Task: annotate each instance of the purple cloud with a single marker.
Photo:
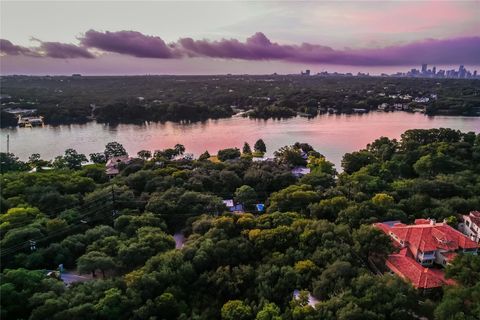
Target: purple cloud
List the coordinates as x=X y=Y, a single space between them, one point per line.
x=259 y=47
x=46 y=49
x=63 y=50
x=464 y=50
x=8 y=48
x=128 y=42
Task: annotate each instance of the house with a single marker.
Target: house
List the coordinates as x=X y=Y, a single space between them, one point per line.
x=470 y=226
x=423 y=247
x=112 y=165
x=300 y=171
x=232 y=207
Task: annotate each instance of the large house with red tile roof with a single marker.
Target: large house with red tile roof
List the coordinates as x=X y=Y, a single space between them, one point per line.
x=423 y=247
x=470 y=225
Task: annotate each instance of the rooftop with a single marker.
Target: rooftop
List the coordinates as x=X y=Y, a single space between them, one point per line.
x=406 y=267
x=424 y=236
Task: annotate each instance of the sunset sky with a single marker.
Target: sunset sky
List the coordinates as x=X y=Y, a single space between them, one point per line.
x=198 y=37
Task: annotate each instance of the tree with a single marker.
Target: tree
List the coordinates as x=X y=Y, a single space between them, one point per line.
x=246 y=149
x=94 y=260
x=383 y=148
x=260 y=146
x=236 y=310
x=459 y=302
x=35 y=161
x=293 y=198
x=246 y=195
x=179 y=148
x=370 y=242
x=114 y=149
x=270 y=311
x=18 y=216
x=465 y=269
x=144 y=154
x=98 y=157
x=329 y=208
x=321 y=165
x=290 y=155
x=113 y=305
x=354 y=161
x=228 y=154
x=73 y=159
x=383 y=200
x=334 y=278
x=204 y=156
x=8 y=162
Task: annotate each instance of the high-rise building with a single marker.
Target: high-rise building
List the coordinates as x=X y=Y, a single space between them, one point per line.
x=424 y=68
x=461 y=71
x=434 y=70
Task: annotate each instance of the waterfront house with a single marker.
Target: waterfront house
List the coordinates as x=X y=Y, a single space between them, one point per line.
x=112 y=165
x=470 y=226
x=424 y=247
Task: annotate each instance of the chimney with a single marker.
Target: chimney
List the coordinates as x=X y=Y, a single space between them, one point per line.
x=432 y=222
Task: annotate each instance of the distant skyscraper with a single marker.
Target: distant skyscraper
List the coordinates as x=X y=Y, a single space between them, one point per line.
x=424 y=68
x=461 y=71
x=434 y=70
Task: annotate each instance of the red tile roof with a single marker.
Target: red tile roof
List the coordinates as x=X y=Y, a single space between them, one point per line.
x=423 y=236
x=426 y=236
x=421 y=277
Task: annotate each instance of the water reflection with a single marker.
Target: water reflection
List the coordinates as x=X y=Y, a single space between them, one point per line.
x=332 y=135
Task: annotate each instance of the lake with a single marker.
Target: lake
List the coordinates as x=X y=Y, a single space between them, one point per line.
x=331 y=135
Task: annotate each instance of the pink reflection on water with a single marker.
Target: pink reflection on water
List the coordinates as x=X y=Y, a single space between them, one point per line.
x=332 y=135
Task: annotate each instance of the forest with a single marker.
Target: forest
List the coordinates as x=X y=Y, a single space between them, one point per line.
x=133 y=99
x=315 y=234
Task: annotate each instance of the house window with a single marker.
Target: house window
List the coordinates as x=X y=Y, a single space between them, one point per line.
x=467 y=223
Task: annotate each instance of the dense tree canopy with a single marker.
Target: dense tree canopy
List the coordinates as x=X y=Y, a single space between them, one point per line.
x=315 y=238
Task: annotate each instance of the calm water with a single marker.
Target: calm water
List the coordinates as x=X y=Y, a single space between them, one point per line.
x=332 y=135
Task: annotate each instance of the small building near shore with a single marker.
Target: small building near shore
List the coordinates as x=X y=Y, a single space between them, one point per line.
x=112 y=165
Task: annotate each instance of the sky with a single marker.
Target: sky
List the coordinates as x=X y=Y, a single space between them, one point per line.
x=216 y=37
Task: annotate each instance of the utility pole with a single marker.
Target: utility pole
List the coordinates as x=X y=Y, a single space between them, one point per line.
x=8 y=143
